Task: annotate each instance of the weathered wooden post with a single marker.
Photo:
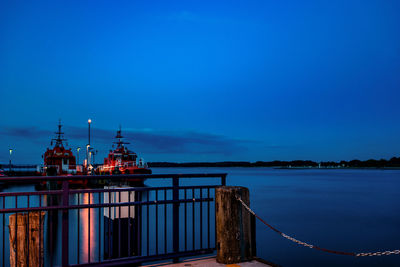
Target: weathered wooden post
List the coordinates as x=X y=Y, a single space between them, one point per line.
x=26 y=239
x=36 y=245
x=235 y=226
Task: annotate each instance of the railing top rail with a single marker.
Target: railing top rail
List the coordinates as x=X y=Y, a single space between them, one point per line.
x=107 y=190
x=112 y=177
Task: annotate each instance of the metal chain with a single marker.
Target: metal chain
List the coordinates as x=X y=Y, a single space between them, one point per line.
x=385 y=253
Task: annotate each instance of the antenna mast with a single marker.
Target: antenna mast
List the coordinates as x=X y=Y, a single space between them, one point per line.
x=59 y=134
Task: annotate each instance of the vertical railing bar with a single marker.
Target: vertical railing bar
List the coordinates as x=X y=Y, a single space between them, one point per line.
x=79 y=214
x=129 y=224
x=109 y=225
x=223 y=179
x=201 y=218
x=65 y=224
x=138 y=219
x=99 y=234
x=4 y=229
x=148 y=224
x=175 y=213
x=16 y=232
x=215 y=222
x=40 y=232
x=156 y=222
x=89 y=228
x=165 y=222
x=208 y=218
x=185 y=192
x=119 y=225
x=193 y=220
x=28 y=234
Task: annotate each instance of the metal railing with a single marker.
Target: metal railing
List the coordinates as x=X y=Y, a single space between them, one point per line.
x=110 y=223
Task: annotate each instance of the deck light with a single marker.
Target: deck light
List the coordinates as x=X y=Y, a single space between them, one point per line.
x=77 y=150
x=10 y=150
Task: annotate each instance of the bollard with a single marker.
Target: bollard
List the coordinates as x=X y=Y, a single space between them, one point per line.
x=235 y=226
x=26 y=239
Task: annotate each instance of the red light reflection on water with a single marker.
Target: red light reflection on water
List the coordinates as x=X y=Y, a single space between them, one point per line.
x=88 y=229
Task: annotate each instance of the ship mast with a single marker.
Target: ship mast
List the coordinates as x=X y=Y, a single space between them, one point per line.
x=59 y=138
x=119 y=136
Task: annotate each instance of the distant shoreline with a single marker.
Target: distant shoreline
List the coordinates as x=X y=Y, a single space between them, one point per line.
x=393 y=163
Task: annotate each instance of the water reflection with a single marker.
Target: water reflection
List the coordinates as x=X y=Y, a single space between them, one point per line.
x=84 y=230
x=148 y=232
x=88 y=222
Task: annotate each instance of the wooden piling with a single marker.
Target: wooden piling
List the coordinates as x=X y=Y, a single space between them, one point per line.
x=235 y=226
x=25 y=236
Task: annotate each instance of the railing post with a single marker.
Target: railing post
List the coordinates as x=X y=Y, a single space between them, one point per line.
x=64 y=227
x=175 y=220
x=138 y=222
x=223 y=180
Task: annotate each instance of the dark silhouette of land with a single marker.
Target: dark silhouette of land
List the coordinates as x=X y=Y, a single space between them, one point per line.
x=371 y=163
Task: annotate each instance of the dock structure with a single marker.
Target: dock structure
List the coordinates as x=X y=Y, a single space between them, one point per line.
x=176 y=220
x=108 y=223
x=212 y=262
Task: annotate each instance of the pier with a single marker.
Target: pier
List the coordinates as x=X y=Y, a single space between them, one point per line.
x=109 y=223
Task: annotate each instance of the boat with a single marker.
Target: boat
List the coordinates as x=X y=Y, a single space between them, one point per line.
x=121 y=160
x=60 y=161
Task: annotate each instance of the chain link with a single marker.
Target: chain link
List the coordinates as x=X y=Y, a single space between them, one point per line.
x=384 y=253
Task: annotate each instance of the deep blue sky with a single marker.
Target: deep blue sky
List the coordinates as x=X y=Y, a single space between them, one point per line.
x=203 y=80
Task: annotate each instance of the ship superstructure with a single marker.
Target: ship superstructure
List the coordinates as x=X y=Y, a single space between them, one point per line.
x=59 y=160
x=121 y=160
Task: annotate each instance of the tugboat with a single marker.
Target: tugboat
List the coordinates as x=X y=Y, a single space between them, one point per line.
x=121 y=160
x=58 y=160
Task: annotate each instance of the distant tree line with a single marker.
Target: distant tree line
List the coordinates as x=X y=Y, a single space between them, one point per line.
x=371 y=163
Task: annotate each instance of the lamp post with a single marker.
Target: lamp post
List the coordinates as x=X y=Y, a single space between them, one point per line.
x=77 y=150
x=89 y=122
x=88 y=147
x=10 y=150
x=90 y=159
x=87 y=155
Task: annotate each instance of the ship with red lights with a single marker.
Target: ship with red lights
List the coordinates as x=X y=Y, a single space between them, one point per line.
x=121 y=160
x=59 y=160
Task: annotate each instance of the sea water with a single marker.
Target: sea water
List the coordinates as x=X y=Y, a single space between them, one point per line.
x=340 y=209
x=352 y=210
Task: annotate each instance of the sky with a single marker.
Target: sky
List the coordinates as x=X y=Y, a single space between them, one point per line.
x=202 y=80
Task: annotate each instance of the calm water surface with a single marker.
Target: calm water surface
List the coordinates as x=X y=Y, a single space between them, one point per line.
x=349 y=210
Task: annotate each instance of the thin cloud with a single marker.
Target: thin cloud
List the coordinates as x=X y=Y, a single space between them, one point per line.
x=33 y=134
x=151 y=141
x=146 y=141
